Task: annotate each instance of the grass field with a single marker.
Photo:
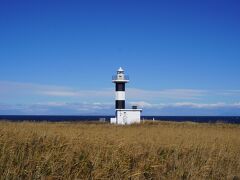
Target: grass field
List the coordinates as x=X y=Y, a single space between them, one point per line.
x=160 y=150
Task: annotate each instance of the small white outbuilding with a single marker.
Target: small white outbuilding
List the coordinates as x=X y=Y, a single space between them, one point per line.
x=127 y=116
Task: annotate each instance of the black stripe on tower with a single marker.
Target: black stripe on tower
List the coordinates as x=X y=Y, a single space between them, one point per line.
x=120 y=104
x=120 y=86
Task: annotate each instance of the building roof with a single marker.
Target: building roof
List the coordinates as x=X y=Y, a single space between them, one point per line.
x=129 y=110
x=120 y=69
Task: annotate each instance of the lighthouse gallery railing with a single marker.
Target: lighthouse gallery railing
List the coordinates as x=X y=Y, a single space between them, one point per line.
x=115 y=77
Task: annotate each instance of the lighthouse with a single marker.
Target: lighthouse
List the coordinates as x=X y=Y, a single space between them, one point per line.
x=122 y=115
x=120 y=80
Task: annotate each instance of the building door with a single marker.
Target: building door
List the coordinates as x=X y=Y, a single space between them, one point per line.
x=125 y=118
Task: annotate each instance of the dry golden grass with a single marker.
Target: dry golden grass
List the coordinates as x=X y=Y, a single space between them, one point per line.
x=160 y=150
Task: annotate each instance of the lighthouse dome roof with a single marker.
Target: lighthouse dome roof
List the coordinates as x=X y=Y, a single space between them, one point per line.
x=120 y=69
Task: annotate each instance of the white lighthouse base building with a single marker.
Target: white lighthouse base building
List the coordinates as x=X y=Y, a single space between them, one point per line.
x=127 y=116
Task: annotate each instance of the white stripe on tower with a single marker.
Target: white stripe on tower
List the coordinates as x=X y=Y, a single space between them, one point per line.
x=120 y=95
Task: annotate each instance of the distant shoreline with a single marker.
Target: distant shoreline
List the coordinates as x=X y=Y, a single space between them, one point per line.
x=76 y=118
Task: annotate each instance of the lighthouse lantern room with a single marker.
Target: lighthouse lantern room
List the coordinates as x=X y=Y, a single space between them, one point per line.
x=123 y=115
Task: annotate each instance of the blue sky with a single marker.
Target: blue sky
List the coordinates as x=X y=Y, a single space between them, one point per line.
x=57 y=57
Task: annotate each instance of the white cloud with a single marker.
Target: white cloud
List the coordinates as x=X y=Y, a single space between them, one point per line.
x=167 y=93
x=179 y=98
x=141 y=104
x=57 y=108
x=131 y=93
x=201 y=105
x=148 y=105
x=97 y=108
x=15 y=88
x=59 y=93
x=226 y=93
x=78 y=93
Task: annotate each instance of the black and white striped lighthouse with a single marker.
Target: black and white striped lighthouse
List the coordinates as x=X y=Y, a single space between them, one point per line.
x=120 y=80
x=123 y=116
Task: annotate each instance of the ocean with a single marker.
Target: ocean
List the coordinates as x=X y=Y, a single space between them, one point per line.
x=55 y=118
